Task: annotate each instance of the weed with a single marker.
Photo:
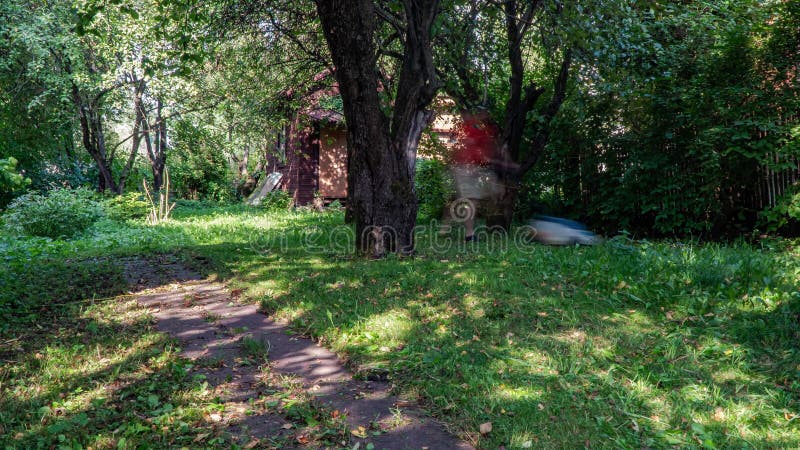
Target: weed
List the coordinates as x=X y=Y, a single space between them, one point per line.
x=254 y=348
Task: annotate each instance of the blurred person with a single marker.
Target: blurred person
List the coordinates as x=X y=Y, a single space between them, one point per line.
x=470 y=166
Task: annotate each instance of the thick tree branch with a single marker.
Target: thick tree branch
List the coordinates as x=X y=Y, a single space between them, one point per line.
x=542 y=137
x=390 y=18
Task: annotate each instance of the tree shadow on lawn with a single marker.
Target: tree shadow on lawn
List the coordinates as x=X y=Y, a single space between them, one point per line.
x=93 y=371
x=556 y=346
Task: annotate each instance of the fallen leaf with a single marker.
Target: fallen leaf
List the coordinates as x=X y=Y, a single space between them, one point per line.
x=360 y=432
x=302 y=439
x=486 y=428
x=252 y=444
x=287 y=426
x=201 y=437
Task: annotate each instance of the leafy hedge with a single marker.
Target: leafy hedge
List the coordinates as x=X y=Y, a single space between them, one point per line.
x=434 y=188
x=126 y=207
x=11 y=182
x=60 y=214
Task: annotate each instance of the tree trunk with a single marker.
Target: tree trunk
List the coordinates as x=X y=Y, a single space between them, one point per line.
x=155 y=138
x=93 y=139
x=382 y=152
x=136 y=137
x=511 y=163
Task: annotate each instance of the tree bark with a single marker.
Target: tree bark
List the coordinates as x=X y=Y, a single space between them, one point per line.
x=155 y=139
x=138 y=108
x=382 y=151
x=93 y=139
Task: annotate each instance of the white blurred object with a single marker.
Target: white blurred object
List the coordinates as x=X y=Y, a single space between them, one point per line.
x=558 y=231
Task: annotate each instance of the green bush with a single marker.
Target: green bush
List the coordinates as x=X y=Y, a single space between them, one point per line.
x=126 y=207
x=198 y=166
x=11 y=182
x=434 y=188
x=786 y=210
x=276 y=201
x=62 y=213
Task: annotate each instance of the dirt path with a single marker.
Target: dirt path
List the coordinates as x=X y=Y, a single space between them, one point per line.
x=223 y=337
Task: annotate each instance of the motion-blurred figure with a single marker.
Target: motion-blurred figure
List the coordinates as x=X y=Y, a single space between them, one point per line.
x=558 y=231
x=470 y=166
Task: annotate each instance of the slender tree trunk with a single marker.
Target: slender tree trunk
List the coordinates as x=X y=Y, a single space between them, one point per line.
x=93 y=139
x=155 y=139
x=138 y=108
x=381 y=151
x=161 y=154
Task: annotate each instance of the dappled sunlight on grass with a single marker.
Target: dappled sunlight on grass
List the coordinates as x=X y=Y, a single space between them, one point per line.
x=622 y=345
x=103 y=364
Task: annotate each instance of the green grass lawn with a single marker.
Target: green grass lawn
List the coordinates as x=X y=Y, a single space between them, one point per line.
x=622 y=345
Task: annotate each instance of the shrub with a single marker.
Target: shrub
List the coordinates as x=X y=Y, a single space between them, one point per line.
x=434 y=188
x=785 y=211
x=62 y=213
x=11 y=182
x=199 y=168
x=126 y=207
x=336 y=205
x=276 y=201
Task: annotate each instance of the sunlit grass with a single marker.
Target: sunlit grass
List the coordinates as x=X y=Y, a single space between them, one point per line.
x=623 y=345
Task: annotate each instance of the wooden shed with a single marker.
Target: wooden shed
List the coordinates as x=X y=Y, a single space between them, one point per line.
x=313 y=156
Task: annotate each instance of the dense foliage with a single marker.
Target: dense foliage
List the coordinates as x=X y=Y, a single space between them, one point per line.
x=198 y=168
x=11 y=182
x=61 y=213
x=126 y=207
x=434 y=188
x=692 y=130
x=676 y=118
x=276 y=201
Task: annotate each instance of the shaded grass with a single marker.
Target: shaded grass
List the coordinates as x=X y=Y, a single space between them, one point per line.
x=95 y=374
x=80 y=368
x=628 y=344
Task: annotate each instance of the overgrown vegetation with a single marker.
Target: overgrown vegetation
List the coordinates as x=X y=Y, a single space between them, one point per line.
x=126 y=207
x=276 y=201
x=627 y=344
x=61 y=213
x=691 y=131
x=11 y=182
x=434 y=188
